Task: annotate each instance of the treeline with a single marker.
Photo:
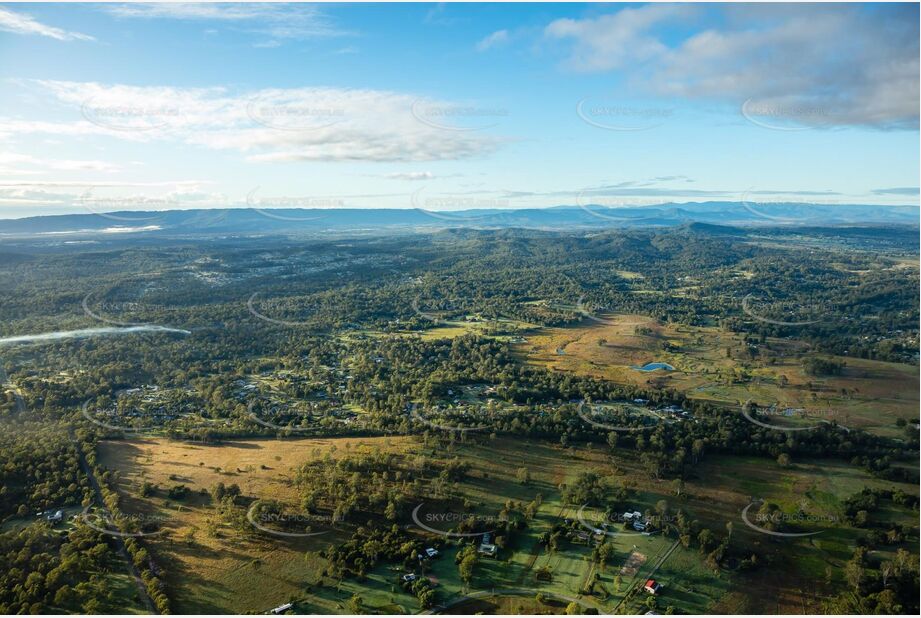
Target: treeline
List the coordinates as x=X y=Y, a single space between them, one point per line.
x=51 y=567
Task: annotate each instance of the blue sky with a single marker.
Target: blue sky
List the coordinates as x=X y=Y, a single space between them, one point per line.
x=447 y=106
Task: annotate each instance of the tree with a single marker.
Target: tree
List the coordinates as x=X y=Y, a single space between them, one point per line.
x=355 y=604
x=678 y=486
x=705 y=540
x=466 y=560
x=524 y=476
x=466 y=568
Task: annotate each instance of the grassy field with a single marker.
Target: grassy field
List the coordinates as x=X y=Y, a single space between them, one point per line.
x=725 y=485
x=219 y=570
x=211 y=568
x=502 y=328
x=714 y=364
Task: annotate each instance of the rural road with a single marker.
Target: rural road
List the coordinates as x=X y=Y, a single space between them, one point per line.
x=119 y=542
x=649 y=575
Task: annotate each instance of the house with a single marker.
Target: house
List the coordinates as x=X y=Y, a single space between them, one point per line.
x=488 y=549
x=486 y=546
x=282 y=608
x=652 y=586
x=431 y=552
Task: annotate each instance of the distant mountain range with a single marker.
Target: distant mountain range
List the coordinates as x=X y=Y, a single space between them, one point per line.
x=295 y=220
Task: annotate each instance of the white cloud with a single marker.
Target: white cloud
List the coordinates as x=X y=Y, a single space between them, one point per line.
x=826 y=65
x=271 y=125
x=913 y=191
x=496 y=38
x=280 y=21
x=95 y=196
x=410 y=176
x=8 y=159
x=612 y=41
x=20 y=23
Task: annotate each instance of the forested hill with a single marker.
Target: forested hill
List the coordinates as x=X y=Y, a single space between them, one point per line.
x=293 y=220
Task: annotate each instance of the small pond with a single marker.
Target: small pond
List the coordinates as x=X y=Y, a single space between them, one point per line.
x=655 y=367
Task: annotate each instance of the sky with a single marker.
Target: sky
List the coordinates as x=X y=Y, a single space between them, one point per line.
x=115 y=106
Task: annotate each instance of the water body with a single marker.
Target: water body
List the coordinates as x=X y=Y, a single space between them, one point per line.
x=84 y=333
x=655 y=367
